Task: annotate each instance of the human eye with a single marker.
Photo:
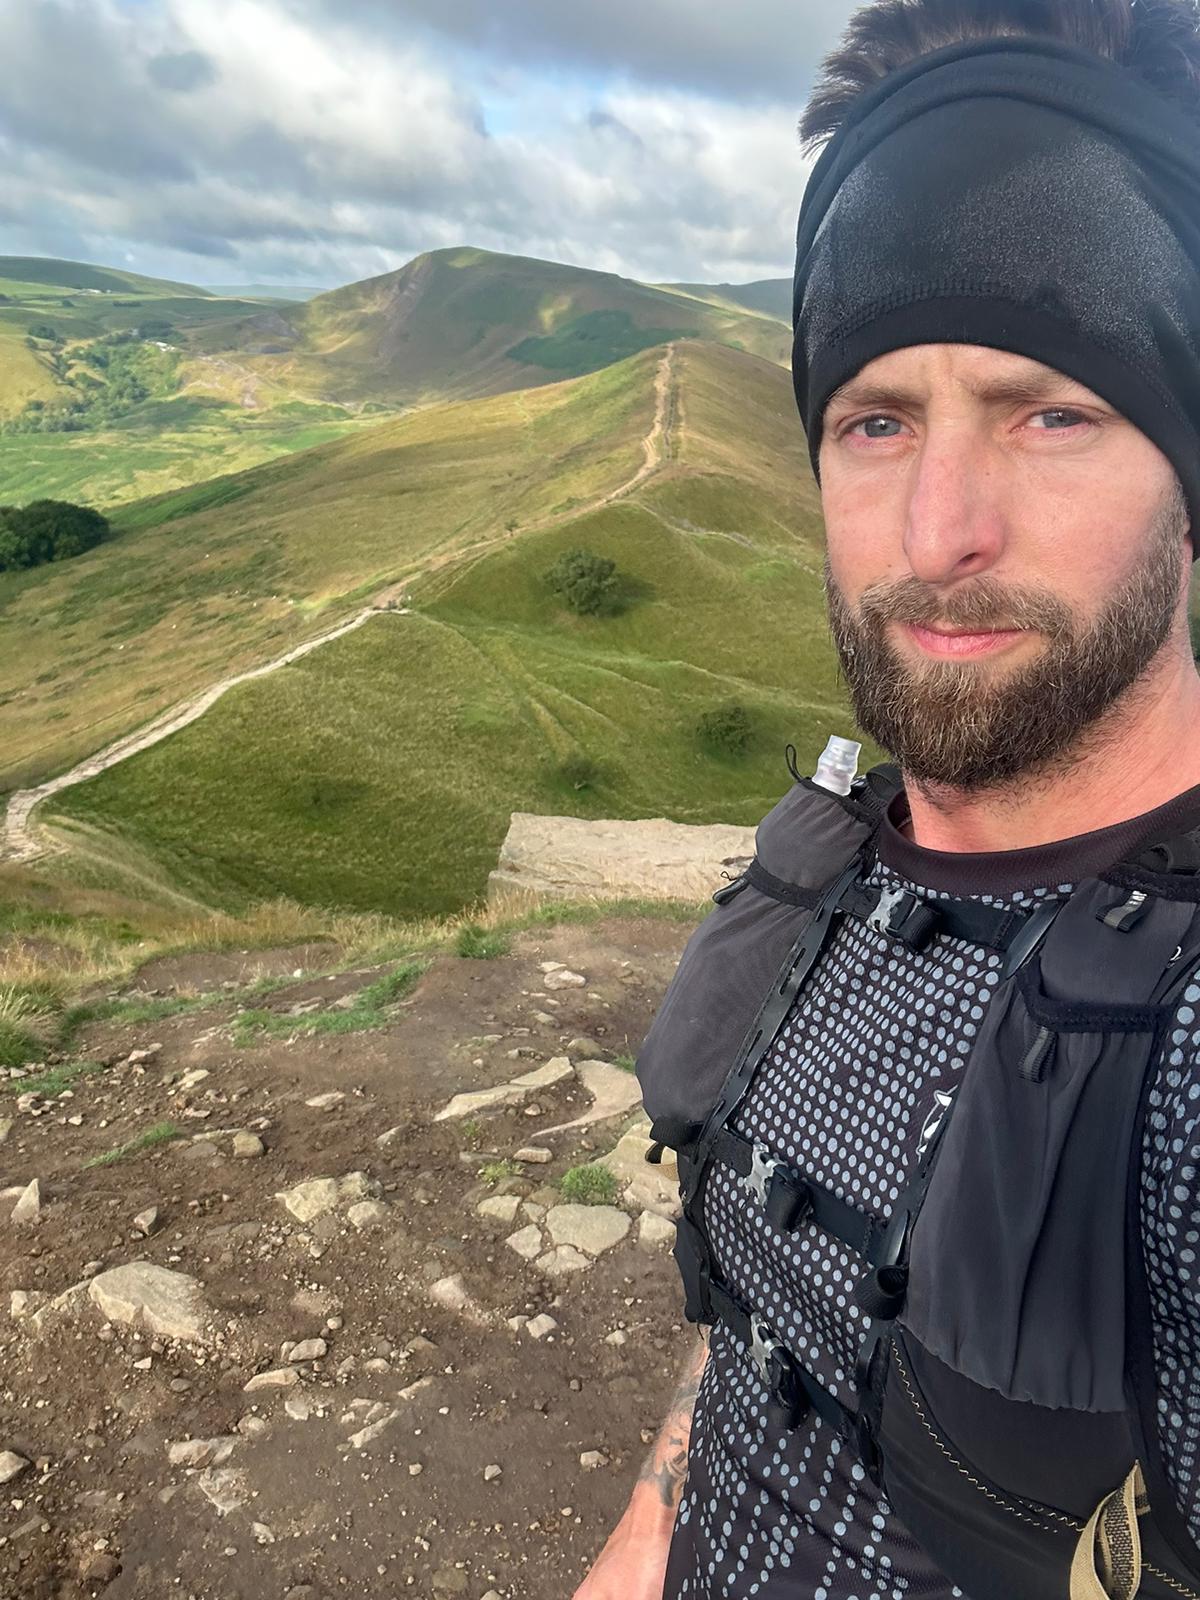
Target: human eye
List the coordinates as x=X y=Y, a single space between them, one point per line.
x=871 y=426
x=1061 y=418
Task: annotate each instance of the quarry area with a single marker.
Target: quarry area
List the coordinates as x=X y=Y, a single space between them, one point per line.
x=290 y=1311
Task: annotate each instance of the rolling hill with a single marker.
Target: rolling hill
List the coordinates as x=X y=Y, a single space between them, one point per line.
x=113 y=387
x=379 y=772
x=461 y=323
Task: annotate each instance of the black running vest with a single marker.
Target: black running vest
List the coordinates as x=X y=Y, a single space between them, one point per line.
x=1006 y=1387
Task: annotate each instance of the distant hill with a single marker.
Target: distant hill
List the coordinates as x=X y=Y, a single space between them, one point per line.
x=379 y=772
x=267 y=291
x=770 y=297
x=459 y=323
x=49 y=271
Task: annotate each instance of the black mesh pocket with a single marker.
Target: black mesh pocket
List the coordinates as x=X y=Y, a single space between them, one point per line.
x=726 y=970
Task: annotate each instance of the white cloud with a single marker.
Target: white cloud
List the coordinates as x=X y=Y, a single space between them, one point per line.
x=262 y=138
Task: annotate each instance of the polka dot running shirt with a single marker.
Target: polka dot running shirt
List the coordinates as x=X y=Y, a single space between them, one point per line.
x=843 y=1094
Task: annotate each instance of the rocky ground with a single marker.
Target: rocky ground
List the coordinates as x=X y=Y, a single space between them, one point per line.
x=322 y=1320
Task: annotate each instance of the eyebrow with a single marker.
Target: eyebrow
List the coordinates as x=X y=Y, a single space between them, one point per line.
x=869 y=395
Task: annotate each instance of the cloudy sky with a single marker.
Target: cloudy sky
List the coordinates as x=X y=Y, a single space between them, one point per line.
x=319 y=141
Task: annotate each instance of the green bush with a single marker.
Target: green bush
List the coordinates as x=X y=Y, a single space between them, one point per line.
x=592 y=1185
x=43 y=330
x=47 y=530
x=586 y=582
x=581 y=772
x=726 y=730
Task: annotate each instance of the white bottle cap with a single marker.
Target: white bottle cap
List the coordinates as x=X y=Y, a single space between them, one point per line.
x=838 y=765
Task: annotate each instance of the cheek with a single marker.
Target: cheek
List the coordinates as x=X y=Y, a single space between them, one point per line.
x=864 y=528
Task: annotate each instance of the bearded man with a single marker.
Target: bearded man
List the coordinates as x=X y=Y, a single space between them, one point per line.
x=997 y=364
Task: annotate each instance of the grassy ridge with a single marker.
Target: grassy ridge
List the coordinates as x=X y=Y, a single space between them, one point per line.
x=379 y=773
x=221 y=576
x=457 y=323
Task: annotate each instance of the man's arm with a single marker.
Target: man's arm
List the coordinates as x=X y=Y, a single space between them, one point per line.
x=633 y=1564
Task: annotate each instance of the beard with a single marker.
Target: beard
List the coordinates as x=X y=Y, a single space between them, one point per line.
x=954 y=724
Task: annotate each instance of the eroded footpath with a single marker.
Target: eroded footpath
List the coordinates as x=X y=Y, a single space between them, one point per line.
x=288 y=1311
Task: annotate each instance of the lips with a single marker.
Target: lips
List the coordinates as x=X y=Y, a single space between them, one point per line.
x=957 y=643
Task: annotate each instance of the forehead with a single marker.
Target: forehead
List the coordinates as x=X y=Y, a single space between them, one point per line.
x=921 y=372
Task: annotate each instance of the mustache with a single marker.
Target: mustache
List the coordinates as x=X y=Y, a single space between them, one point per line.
x=984 y=605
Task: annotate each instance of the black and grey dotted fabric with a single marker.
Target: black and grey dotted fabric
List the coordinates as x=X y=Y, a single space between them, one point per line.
x=844 y=1094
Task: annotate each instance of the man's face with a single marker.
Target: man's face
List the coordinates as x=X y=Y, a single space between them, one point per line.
x=1007 y=558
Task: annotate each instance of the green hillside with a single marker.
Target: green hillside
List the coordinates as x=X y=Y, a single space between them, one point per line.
x=101 y=398
x=460 y=323
x=769 y=297
x=114 y=386
x=380 y=771
x=219 y=577
x=53 y=273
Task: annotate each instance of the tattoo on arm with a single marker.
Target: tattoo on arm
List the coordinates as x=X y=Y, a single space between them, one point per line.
x=666 y=1465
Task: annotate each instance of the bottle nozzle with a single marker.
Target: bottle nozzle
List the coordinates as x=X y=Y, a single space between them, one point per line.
x=838 y=766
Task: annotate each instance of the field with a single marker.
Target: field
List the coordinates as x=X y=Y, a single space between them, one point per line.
x=379 y=772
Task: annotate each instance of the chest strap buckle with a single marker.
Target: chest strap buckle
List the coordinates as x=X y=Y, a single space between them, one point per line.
x=905 y=916
x=789 y=1399
x=786 y=1200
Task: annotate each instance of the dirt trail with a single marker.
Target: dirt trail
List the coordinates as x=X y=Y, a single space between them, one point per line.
x=20 y=840
x=473 y=1398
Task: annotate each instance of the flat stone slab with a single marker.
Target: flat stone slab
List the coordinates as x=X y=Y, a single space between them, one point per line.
x=141 y=1295
x=316 y=1197
x=643 y=1184
x=614 y=1093
x=563 y=1260
x=592 y=1229
x=502 y=1207
x=464 y=1105
x=545 y=1077
x=527 y=1242
x=654 y=1231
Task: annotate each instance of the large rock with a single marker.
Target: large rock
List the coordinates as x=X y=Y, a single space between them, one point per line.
x=574 y=858
x=141 y=1295
x=592 y=1229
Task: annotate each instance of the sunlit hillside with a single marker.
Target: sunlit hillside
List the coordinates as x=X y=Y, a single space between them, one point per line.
x=379 y=772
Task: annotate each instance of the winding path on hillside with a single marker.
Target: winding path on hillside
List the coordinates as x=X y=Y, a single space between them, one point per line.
x=22 y=840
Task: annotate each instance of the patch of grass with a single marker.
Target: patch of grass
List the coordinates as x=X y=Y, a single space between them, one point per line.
x=160 y=1133
x=590 y=1185
x=29 y=1024
x=495 y=1172
x=482 y=944
x=371 y=1009
x=471 y=1129
x=54 y=1080
x=625 y=1061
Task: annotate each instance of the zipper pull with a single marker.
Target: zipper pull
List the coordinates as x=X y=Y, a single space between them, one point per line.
x=734 y=887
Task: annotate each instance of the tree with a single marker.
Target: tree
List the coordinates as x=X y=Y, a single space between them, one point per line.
x=43 y=330
x=587 y=582
x=47 y=530
x=727 y=729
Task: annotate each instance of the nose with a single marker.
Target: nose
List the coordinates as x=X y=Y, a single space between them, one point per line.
x=956 y=523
